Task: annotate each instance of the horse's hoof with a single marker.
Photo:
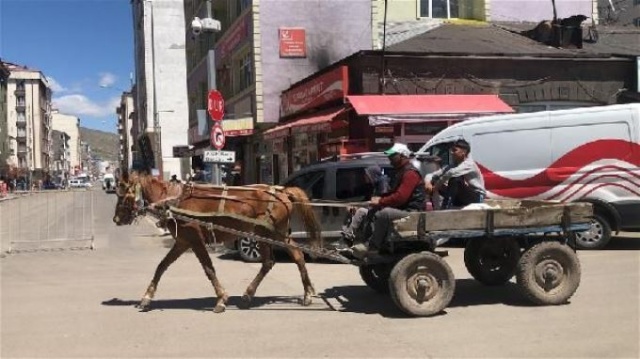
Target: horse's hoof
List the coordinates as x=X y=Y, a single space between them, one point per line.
x=219 y=308
x=144 y=305
x=306 y=301
x=245 y=302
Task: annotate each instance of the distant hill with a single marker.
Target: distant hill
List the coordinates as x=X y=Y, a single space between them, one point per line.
x=104 y=145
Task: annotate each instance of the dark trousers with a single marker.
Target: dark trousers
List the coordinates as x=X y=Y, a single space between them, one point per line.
x=458 y=194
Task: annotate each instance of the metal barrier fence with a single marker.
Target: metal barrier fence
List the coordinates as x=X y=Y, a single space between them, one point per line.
x=47 y=221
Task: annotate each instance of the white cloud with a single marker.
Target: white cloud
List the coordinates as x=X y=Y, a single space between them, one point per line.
x=107 y=79
x=80 y=105
x=55 y=86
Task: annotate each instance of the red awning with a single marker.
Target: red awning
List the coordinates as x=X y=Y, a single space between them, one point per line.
x=317 y=122
x=418 y=108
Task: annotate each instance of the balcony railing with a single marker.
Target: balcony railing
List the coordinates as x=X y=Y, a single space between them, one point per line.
x=21 y=107
x=19 y=92
x=22 y=149
x=21 y=134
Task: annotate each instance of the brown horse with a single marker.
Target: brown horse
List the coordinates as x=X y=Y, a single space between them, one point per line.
x=260 y=209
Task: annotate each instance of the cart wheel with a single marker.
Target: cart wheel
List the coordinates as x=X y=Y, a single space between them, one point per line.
x=376 y=276
x=548 y=273
x=422 y=284
x=492 y=261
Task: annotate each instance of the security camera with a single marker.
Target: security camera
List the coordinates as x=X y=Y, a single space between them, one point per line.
x=196 y=26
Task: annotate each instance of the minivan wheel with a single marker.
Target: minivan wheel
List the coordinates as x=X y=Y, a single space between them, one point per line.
x=597 y=237
x=249 y=250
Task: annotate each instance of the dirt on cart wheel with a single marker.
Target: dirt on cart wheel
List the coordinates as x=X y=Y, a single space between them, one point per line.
x=376 y=276
x=492 y=261
x=548 y=273
x=422 y=284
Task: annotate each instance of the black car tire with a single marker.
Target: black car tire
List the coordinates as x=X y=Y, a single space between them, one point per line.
x=376 y=276
x=492 y=261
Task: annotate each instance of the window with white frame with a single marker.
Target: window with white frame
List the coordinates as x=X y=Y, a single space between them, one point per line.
x=244 y=71
x=438 y=9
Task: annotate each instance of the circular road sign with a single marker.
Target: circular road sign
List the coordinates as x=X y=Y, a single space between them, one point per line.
x=217 y=137
x=215 y=105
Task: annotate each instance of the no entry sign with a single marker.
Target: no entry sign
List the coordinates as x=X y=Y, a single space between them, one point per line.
x=217 y=136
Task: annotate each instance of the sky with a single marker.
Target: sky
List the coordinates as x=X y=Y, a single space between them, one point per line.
x=83 y=47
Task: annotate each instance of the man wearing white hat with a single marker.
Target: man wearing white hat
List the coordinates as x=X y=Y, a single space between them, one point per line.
x=407 y=194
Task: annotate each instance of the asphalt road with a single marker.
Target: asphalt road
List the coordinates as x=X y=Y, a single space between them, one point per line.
x=80 y=303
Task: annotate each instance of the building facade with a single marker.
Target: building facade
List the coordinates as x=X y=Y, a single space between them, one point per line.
x=264 y=47
x=4 y=139
x=161 y=96
x=126 y=135
x=70 y=125
x=28 y=120
x=61 y=167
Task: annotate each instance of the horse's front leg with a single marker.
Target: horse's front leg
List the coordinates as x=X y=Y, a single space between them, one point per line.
x=298 y=257
x=267 y=263
x=174 y=253
x=200 y=250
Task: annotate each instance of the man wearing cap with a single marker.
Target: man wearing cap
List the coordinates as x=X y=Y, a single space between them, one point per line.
x=407 y=194
x=461 y=184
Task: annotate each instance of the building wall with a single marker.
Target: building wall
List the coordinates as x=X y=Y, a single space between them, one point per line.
x=125 y=130
x=160 y=27
x=70 y=125
x=4 y=138
x=334 y=30
x=538 y=10
x=37 y=115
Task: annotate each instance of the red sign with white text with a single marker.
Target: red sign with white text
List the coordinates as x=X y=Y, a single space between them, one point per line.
x=292 y=42
x=215 y=105
x=329 y=86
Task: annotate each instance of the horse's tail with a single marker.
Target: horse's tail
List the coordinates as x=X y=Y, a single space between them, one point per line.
x=301 y=204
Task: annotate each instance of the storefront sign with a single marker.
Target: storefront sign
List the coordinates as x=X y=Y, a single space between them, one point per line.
x=234 y=36
x=384 y=129
x=316 y=127
x=236 y=133
x=327 y=87
x=292 y=42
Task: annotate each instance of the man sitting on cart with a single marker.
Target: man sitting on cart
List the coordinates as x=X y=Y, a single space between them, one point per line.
x=461 y=184
x=407 y=194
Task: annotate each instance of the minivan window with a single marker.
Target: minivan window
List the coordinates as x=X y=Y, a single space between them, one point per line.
x=311 y=182
x=351 y=184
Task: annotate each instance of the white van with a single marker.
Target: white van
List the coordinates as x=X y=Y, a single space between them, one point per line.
x=589 y=154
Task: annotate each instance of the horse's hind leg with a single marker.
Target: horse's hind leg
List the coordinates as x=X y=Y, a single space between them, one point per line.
x=203 y=256
x=176 y=251
x=267 y=264
x=298 y=257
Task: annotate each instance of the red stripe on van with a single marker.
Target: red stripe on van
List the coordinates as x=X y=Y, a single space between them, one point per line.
x=562 y=168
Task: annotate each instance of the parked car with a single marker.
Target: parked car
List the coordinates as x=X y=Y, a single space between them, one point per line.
x=339 y=179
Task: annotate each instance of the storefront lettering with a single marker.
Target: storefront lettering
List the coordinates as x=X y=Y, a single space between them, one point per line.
x=330 y=86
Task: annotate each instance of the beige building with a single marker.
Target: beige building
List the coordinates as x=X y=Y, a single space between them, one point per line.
x=126 y=135
x=28 y=136
x=4 y=143
x=70 y=125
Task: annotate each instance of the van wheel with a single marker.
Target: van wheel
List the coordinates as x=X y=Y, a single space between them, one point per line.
x=597 y=237
x=249 y=250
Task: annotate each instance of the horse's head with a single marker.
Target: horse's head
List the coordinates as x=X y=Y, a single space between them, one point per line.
x=129 y=195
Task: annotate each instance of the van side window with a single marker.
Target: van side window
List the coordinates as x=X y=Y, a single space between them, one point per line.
x=442 y=150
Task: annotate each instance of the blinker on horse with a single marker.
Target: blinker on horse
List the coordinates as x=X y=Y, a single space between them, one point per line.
x=260 y=209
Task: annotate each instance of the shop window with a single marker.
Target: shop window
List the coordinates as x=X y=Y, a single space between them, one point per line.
x=351 y=184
